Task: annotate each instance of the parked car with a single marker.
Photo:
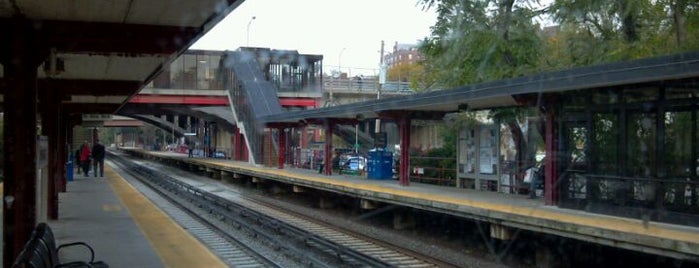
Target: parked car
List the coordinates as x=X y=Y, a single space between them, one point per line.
x=353 y=164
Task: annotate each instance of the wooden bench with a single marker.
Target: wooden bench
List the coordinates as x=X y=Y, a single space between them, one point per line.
x=41 y=251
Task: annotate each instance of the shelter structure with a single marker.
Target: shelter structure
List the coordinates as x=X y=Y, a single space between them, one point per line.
x=620 y=138
x=63 y=59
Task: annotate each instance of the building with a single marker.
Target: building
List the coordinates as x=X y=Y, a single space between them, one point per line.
x=402 y=54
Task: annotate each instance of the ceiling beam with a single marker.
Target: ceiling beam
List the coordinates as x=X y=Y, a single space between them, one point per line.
x=90 y=108
x=107 y=38
x=419 y=115
x=68 y=87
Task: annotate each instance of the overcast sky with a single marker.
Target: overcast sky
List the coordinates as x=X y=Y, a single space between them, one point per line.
x=324 y=27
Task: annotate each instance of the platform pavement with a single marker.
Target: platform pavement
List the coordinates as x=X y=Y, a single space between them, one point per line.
x=124 y=228
x=516 y=211
x=91 y=212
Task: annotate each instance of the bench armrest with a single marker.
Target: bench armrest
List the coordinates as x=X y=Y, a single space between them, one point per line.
x=92 y=252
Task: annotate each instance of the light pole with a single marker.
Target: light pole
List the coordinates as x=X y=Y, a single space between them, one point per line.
x=356 y=138
x=339 y=61
x=247 y=40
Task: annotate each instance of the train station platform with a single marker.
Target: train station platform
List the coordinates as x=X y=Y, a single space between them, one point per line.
x=124 y=228
x=504 y=211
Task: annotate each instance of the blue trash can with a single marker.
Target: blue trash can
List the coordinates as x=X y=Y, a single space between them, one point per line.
x=69 y=171
x=380 y=165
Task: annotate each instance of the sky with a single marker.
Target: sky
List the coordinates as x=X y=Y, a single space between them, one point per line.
x=346 y=33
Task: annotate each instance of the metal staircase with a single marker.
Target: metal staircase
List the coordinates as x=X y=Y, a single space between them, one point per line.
x=251 y=97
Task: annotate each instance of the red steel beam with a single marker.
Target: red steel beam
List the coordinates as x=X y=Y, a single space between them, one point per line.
x=123 y=123
x=327 y=165
x=550 y=169
x=175 y=99
x=281 y=139
x=404 y=167
x=297 y=102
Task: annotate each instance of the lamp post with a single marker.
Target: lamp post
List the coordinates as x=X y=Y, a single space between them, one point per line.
x=247 y=40
x=356 y=138
x=339 y=61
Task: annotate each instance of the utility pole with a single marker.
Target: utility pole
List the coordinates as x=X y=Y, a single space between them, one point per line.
x=382 y=79
x=339 y=61
x=247 y=38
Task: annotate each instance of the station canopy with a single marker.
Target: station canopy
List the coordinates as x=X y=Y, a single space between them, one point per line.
x=681 y=68
x=101 y=53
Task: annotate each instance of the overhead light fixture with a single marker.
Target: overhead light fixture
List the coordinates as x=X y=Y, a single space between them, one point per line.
x=54 y=65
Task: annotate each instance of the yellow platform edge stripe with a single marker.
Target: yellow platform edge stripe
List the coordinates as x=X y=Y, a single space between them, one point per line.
x=175 y=246
x=604 y=222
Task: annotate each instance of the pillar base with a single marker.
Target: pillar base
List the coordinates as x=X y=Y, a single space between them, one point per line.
x=226 y=176
x=325 y=203
x=500 y=232
x=547 y=258
x=367 y=204
x=403 y=221
x=299 y=189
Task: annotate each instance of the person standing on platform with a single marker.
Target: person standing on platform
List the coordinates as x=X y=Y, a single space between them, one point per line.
x=98 y=158
x=85 y=157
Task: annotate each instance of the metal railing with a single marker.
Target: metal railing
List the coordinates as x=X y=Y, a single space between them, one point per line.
x=432 y=170
x=369 y=85
x=677 y=198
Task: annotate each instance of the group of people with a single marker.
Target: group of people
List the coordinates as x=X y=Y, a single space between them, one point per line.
x=95 y=155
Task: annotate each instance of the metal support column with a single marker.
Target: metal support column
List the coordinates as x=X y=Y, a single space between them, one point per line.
x=327 y=161
x=64 y=150
x=551 y=165
x=49 y=110
x=281 y=140
x=237 y=148
x=404 y=167
x=20 y=59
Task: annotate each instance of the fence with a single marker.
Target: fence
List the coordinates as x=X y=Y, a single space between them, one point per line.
x=433 y=170
x=365 y=85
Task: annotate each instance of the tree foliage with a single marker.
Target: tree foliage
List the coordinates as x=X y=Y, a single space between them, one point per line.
x=480 y=40
x=404 y=72
x=605 y=31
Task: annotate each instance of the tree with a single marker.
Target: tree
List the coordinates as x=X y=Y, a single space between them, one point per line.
x=474 y=42
x=404 y=72
x=481 y=40
x=603 y=31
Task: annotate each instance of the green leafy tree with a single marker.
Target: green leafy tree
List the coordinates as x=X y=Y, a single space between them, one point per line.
x=404 y=72
x=605 y=31
x=413 y=73
x=481 y=40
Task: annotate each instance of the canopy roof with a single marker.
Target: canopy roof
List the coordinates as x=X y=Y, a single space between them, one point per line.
x=100 y=53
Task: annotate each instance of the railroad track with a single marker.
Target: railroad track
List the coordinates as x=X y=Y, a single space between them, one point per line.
x=390 y=255
x=348 y=248
x=231 y=250
x=398 y=256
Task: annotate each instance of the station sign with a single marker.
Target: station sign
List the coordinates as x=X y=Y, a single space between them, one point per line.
x=96 y=117
x=95 y=120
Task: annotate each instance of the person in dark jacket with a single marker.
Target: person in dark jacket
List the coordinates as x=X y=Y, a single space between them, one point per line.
x=98 y=158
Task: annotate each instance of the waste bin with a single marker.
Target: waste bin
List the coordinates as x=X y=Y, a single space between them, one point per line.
x=380 y=165
x=69 y=171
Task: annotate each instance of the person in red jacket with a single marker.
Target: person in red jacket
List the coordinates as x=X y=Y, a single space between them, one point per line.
x=85 y=157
